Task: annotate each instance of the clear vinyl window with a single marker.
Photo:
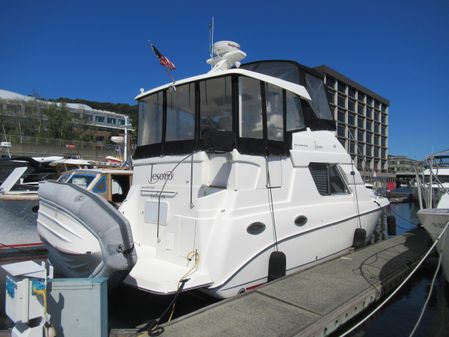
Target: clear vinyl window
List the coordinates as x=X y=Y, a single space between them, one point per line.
x=250 y=106
x=150 y=120
x=216 y=104
x=181 y=113
x=275 y=112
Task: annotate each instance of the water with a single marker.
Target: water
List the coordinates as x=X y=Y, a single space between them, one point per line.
x=18 y=222
x=398 y=317
x=129 y=307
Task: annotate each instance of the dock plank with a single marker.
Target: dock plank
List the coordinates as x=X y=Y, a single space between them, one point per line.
x=314 y=302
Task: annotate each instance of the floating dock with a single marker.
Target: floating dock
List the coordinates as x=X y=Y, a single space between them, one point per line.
x=314 y=302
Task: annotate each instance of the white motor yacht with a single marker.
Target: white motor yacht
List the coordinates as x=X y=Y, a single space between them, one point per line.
x=238 y=176
x=436 y=190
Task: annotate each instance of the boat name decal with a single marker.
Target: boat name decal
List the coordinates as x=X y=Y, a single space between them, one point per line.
x=156 y=177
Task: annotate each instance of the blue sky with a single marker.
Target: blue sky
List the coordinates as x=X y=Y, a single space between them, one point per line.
x=98 y=50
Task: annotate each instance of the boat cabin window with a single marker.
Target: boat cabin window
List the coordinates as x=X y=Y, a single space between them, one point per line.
x=328 y=179
x=320 y=104
x=82 y=180
x=150 y=120
x=226 y=112
x=275 y=112
x=250 y=108
x=181 y=113
x=295 y=116
x=100 y=186
x=216 y=104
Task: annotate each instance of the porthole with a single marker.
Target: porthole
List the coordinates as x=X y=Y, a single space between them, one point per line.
x=300 y=220
x=256 y=228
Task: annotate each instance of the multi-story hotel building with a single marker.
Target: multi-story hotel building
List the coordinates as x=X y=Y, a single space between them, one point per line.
x=362 y=121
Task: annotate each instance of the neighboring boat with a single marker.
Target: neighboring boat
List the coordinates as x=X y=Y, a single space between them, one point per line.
x=435 y=191
x=436 y=175
x=434 y=220
x=20 y=176
x=237 y=173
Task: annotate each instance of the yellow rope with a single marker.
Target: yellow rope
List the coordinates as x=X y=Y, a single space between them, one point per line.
x=193 y=254
x=42 y=293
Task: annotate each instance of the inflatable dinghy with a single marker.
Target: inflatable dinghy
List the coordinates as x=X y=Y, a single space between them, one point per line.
x=85 y=234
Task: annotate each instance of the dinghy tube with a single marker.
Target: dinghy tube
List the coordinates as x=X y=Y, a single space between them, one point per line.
x=84 y=234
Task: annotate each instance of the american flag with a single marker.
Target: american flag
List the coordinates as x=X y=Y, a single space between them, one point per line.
x=165 y=62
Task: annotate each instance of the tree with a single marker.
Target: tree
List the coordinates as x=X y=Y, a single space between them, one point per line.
x=59 y=121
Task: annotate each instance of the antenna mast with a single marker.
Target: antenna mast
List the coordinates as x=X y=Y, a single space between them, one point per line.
x=211 y=38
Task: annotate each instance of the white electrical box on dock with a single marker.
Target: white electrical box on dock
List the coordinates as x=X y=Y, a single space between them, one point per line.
x=79 y=306
x=23 y=305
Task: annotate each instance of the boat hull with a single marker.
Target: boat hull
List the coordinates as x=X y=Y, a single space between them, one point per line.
x=434 y=220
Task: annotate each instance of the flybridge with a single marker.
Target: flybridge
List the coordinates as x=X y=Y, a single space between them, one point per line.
x=254 y=109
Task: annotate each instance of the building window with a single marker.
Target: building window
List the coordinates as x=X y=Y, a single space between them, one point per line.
x=351 y=92
x=360 y=136
x=361 y=122
x=369 y=125
x=376 y=152
x=351 y=105
x=376 y=127
x=341 y=130
x=361 y=97
x=384 y=131
x=112 y=121
x=331 y=96
x=384 y=142
x=351 y=119
x=351 y=147
x=330 y=82
x=369 y=138
x=341 y=87
x=341 y=101
x=369 y=112
x=369 y=150
x=369 y=101
x=361 y=109
x=341 y=116
x=328 y=179
x=384 y=119
x=99 y=119
x=376 y=140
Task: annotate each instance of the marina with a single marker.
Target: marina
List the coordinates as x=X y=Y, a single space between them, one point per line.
x=225 y=199
x=122 y=319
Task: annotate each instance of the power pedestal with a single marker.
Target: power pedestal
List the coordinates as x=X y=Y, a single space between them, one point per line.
x=25 y=282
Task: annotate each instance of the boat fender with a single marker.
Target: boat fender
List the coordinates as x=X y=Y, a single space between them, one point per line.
x=359 y=238
x=391 y=225
x=276 y=265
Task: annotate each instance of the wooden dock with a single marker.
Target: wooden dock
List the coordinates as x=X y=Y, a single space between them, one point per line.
x=314 y=302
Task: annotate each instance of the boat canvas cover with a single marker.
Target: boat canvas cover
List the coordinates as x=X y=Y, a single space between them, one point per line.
x=103 y=221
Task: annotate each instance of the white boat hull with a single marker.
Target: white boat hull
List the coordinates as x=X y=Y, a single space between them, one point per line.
x=434 y=220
